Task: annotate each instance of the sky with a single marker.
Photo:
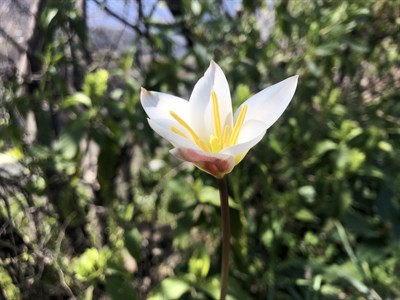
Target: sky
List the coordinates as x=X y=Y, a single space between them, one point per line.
x=128 y=10
x=121 y=35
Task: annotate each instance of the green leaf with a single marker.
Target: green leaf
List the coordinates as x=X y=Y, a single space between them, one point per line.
x=305 y=215
x=120 y=288
x=91 y=264
x=356 y=159
x=325 y=146
x=321 y=149
x=307 y=192
x=385 y=146
x=212 y=287
x=199 y=263
x=95 y=84
x=127 y=62
x=195 y=7
x=48 y=16
x=170 y=288
x=133 y=242
x=77 y=98
x=70 y=137
x=358 y=46
x=68 y=145
x=327 y=49
x=210 y=195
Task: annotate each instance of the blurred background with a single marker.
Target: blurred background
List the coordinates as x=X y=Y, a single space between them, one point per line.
x=93 y=206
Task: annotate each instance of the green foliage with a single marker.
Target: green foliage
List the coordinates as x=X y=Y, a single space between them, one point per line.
x=91 y=264
x=133 y=242
x=170 y=288
x=94 y=206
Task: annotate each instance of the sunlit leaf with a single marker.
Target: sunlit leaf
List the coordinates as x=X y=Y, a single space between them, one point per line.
x=170 y=288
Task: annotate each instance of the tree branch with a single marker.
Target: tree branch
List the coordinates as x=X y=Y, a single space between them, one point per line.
x=119 y=18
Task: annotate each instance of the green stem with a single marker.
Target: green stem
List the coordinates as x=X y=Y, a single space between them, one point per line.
x=226 y=235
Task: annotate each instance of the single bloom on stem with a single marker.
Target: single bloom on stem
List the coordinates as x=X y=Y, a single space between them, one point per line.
x=204 y=130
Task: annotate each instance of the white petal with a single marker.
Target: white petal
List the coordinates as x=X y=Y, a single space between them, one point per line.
x=251 y=133
x=200 y=103
x=216 y=164
x=158 y=105
x=163 y=128
x=221 y=88
x=269 y=104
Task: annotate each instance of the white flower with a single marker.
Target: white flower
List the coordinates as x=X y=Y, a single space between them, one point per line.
x=204 y=130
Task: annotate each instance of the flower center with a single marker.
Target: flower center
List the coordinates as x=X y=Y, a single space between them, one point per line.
x=220 y=139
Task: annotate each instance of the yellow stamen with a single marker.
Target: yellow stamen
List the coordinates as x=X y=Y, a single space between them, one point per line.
x=177 y=131
x=195 y=137
x=225 y=139
x=217 y=120
x=214 y=143
x=238 y=125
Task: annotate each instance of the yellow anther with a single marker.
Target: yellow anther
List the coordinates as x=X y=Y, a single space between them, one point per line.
x=195 y=137
x=217 y=120
x=238 y=125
